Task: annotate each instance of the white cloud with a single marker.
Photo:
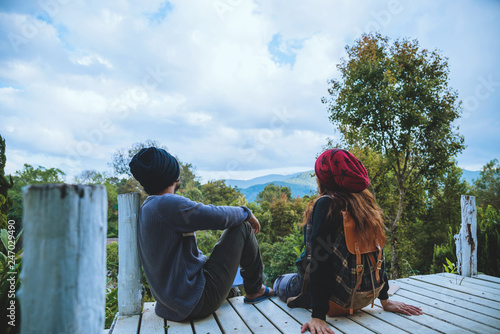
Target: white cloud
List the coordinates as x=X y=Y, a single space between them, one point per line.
x=87 y=60
x=95 y=76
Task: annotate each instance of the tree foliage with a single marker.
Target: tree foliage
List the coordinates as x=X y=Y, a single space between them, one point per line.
x=272 y=192
x=488 y=240
x=487 y=186
x=286 y=215
x=190 y=183
x=218 y=193
x=487 y=190
x=5 y=185
x=279 y=256
x=30 y=175
x=395 y=100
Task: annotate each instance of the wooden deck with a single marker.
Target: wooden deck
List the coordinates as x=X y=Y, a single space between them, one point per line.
x=451 y=304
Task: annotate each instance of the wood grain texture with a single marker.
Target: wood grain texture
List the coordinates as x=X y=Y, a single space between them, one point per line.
x=64 y=259
x=129 y=274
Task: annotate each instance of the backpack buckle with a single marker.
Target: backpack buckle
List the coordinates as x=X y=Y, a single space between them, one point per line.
x=379 y=264
x=359 y=269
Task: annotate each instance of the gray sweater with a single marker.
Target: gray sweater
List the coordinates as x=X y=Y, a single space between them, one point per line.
x=172 y=262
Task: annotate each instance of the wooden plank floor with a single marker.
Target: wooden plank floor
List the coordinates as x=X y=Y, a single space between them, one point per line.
x=451 y=304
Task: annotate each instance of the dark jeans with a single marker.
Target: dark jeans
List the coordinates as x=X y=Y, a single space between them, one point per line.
x=288 y=285
x=236 y=247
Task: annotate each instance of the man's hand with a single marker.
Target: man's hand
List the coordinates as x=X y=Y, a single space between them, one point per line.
x=316 y=326
x=255 y=224
x=398 y=307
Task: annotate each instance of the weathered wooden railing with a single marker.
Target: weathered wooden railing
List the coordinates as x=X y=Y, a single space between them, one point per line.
x=129 y=265
x=64 y=275
x=466 y=239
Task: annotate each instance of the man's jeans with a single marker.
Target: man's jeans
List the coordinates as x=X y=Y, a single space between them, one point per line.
x=236 y=247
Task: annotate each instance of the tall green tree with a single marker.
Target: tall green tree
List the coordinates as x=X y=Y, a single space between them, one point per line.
x=218 y=193
x=29 y=175
x=432 y=211
x=487 y=186
x=5 y=185
x=395 y=99
x=284 y=216
x=271 y=193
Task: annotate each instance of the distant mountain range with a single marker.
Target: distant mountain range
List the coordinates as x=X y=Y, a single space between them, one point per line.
x=299 y=183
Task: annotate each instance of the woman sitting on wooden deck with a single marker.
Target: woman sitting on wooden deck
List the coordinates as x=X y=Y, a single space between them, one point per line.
x=328 y=275
x=184 y=283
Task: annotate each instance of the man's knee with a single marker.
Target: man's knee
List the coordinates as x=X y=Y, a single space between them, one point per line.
x=244 y=229
x=246 y=225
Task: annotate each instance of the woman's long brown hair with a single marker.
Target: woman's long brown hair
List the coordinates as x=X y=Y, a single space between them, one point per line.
x=367 y=215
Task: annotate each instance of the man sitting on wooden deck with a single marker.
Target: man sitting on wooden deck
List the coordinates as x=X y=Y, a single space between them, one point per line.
x=184 y=283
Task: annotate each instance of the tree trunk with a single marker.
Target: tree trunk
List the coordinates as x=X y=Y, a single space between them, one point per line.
x=394 y=237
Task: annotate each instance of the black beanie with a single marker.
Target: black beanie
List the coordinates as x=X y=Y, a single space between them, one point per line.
x=155 y=169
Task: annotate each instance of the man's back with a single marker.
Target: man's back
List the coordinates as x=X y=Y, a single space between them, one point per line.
x=171 y=260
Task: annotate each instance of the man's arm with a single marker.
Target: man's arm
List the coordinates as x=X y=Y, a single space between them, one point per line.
x=184 y=215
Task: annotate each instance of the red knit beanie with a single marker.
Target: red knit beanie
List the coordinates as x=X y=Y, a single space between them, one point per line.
x=339 y=170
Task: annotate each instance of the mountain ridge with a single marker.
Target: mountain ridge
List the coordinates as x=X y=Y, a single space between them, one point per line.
x=300 y=184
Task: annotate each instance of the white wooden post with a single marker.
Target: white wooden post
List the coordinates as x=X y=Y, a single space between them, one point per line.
x=64 y=261
x=466 y=239
x=129 y=265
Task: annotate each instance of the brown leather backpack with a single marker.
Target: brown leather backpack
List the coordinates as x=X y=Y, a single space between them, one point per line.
x=363 y=252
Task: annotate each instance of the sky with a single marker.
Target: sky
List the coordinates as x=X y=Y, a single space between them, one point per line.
x=233 y=87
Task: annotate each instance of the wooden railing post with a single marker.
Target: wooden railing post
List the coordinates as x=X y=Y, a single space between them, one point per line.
x=64 y=261
x=129 y=265
x=466 y=239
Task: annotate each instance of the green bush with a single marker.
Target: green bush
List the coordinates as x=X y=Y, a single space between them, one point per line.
x=111 y=305
x=112 y=283
x=112 y=263
x=488 y=239
x=441 y=255
x=279 y=257
x=206 y=240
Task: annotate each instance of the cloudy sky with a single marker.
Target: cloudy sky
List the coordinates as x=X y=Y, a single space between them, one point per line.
x=232 y=86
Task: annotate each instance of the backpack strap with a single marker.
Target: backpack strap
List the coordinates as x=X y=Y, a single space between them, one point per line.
x=359 y=264
x=372 y=259
x=373 y=284
x=377 y=266
x=309 y=229
x=380 y=260
x=359 y=277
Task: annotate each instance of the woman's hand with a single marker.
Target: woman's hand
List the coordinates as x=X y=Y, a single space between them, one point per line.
x=255 y=224
x=316 y=326
x=398 y=307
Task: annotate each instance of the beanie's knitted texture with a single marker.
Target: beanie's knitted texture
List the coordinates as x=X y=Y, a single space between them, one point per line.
x=339 y=170
x=155 y=169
